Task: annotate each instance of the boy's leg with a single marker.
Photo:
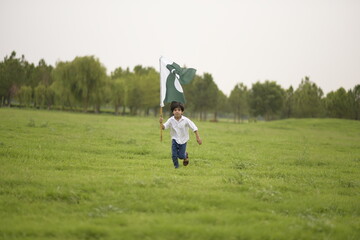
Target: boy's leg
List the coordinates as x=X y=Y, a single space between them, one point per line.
x=183 y=154
x=174 y=152
x=182 y=151
x=186 y=160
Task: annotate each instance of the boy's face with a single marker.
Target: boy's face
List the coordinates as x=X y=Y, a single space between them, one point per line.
x=177 y=112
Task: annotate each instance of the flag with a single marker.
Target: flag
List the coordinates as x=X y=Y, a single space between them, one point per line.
x=172 y=76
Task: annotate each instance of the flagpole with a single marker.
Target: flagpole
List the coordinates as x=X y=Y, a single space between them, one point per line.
x=161 y=130
x=161 y=110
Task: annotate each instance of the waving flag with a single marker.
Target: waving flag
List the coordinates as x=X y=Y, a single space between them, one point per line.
x=172 y=76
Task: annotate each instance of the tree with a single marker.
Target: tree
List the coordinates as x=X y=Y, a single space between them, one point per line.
x=99 y=96
x=338 y=104
x=40 y=95
x=238 y=101
x=342 y=104
x=117 y=89
x=288 y=109
x=222 y=105
x=41 y=74
x=12 y=75
x=90 y=78
x=204 y=95
x=126 y=77
x=81 y=81
x=118 y=73
x=266 y=99
x=41 y=80
x=64 y=85
x=134 y=94
x=308 y=100
x=24 y=96
x=149 y=83
x=3 y=87
x=355 y=95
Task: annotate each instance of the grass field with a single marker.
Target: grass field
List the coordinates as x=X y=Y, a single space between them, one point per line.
x=80 y=176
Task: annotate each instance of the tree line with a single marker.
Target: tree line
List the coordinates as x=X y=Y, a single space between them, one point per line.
x=83 y=85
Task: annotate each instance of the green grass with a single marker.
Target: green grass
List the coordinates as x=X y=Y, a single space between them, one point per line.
x=80 y=176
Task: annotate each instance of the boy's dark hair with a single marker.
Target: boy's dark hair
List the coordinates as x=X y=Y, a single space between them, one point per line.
x=174 y=105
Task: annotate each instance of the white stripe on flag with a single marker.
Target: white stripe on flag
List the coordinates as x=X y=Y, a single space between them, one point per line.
x=164 y=73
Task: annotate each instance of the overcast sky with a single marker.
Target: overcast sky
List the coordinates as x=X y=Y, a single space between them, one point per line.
x=234 y=40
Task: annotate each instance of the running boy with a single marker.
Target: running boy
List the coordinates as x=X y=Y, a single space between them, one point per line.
x=179 y=130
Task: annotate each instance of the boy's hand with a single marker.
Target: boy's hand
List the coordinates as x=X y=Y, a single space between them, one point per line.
x=198 y=139
x=161 y=120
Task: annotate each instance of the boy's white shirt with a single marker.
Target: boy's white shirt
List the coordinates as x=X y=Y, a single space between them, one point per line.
x=179 y=130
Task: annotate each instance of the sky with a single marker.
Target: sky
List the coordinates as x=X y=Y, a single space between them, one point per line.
x=236 y=41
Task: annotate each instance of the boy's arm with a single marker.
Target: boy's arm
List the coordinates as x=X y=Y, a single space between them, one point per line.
x=198 y=139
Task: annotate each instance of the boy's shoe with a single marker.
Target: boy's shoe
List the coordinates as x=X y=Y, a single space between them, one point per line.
x=186 y=160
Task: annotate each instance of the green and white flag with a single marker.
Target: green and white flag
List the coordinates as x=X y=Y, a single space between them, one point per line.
x=172 y=76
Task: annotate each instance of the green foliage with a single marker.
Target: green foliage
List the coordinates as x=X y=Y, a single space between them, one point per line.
x=24 y=95
x=81 y=176
x=117 y=89
x=137 y=90
x=342 y=104
x=149 y=87
x=308 y=100
x=238 y=100
x=355 y=96
x=12 y=75
x=266 y=99
x=40 y=95
x=202 y=95
x=89 y=81
x=288 y=109
x=41 y=75
x=63 y=85
x=82 y=84
x=222 y=105
x=338 y=104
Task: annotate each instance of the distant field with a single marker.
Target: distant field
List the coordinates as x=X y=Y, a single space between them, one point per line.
x=81 y=176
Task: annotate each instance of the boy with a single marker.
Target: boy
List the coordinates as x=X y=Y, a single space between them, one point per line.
x=179 y=130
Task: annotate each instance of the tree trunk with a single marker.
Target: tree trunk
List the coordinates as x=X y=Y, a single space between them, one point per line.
x=116 y=110
x=97 y=108
x=8 y=100
x=85 y=105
